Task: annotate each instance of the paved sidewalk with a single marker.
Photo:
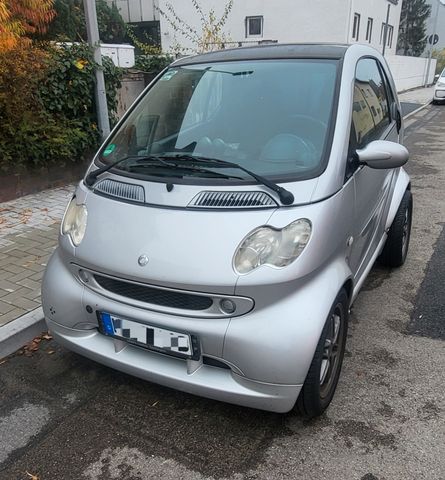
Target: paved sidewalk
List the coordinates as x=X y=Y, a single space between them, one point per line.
x=418 y=95
x=28 y=234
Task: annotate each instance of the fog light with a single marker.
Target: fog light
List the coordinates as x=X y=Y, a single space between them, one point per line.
x=227 y=306
x=84 y=276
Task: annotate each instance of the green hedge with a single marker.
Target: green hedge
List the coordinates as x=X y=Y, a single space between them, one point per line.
x=47 y=108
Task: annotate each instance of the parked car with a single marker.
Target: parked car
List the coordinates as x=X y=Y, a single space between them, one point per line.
x=225 y=227
x=439 y=89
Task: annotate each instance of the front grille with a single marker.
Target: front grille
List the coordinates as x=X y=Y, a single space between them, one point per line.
x=125 y=191
x=155 y=296
x=233 y=200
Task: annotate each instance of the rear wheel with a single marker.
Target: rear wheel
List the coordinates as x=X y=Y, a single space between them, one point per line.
x=396 y=246
x=322 y=378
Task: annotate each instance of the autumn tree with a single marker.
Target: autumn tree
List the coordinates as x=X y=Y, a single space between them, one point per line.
x=412 y=31
x=20 y=18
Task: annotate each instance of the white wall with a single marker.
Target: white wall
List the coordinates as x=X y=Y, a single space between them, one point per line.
x=291 y=20
x=377 y=10
x=410 y=72
x=284 y=20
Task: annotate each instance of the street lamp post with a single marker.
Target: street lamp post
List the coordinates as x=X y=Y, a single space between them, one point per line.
x=93 y=40
x=430 y=52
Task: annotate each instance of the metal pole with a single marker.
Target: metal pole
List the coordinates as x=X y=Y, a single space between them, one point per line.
x=385 y=34
x=430 y=53
x=93 y=40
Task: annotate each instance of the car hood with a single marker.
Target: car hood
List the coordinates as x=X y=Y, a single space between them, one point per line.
x=183 y=249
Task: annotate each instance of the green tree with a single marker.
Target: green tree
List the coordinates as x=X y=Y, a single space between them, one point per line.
x=412 y=31
x=440 y=56
x=69 y=24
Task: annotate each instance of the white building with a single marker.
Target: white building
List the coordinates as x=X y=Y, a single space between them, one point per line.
x=338 y=21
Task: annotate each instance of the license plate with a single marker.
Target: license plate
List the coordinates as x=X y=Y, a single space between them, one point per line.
x=148 y=336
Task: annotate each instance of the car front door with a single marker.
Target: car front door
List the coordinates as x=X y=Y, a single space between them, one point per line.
x=371 y=120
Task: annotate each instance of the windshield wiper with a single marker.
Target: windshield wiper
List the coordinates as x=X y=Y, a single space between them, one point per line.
x=90 y=179
x=166 y=161
x=286 y=197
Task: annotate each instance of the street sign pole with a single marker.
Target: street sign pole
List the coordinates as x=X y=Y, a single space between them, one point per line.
x=93 y=40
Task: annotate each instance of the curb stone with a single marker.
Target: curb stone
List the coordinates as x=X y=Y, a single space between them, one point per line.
x=20 y=331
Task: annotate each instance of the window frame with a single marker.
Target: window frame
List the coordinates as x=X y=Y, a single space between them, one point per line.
x=247 y=26
x=369 y=28
x=356 y=26
x=352 y=165
x=389 y=34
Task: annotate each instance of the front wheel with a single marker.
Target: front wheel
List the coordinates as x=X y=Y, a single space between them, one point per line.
x=396 y=246
x=322 y=378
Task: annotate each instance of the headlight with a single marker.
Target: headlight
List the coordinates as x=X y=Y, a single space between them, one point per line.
x=75 y=222
x=273 y=247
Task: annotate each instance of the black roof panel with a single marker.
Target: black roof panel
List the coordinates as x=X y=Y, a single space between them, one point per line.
x=269 y=51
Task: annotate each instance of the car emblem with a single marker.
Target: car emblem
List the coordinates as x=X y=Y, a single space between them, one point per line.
x=143 y=260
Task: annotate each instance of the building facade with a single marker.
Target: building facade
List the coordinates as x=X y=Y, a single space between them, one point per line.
x=255 y=21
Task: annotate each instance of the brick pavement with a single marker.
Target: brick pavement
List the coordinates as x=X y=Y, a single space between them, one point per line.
x=29 y=228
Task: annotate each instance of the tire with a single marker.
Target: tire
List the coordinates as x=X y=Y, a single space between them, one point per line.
x=322 y=378
x=396 y=246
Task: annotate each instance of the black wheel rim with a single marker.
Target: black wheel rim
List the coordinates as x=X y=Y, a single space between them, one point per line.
x=332 y=351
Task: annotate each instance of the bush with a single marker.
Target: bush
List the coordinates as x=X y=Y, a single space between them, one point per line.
x=152 y=63
x=47 y=106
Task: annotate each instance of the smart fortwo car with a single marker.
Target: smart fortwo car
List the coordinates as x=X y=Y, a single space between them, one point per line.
x=227 y=224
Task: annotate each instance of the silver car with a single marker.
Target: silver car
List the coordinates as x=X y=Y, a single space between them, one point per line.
x=227 y=224
x=439 y=89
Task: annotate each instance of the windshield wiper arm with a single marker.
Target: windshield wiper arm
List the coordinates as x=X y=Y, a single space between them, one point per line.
x=90 y=179
x=286 y=197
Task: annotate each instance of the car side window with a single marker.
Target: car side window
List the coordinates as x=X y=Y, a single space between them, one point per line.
x=370 y=109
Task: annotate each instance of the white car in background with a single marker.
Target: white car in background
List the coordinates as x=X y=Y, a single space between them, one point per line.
x=439 y=90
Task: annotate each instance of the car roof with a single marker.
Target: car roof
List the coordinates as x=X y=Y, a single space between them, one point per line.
x=269 y=51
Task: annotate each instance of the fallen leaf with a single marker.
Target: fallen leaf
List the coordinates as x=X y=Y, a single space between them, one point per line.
x=2 y=362
x=50 y=352
x=47 y=336
x=32 y=476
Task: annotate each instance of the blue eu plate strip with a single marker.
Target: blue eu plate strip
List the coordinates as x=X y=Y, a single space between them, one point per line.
x=107 y=323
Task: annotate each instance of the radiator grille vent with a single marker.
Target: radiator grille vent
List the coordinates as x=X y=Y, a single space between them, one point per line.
x=233 y=200
x=125 y=191
x=156 y=296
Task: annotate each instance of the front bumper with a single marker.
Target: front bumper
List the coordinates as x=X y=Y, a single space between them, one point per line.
x=65 y=299
x=207 y=381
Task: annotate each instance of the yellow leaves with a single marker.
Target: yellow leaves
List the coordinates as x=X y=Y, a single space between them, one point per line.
x=19 y=17
x=80 y=64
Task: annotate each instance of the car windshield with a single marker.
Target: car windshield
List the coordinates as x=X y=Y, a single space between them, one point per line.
x=269 y=116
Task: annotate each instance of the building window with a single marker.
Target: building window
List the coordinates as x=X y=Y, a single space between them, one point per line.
x=254 y=26
x=389 y=35
x=369 y=30
x=356 y=26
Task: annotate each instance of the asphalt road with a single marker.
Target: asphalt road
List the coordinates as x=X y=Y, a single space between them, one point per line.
x=65 y=417
x=409 y=107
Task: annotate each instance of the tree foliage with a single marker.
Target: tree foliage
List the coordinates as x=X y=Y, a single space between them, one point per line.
x=412 y=31
x=440 y=56
x=211 y=35
x=47 y=109
x=20 y=18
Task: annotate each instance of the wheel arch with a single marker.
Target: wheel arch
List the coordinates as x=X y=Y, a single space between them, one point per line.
x=403 y=183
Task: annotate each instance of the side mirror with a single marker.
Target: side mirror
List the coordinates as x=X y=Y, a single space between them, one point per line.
x=382 y=154
x=436 y=77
